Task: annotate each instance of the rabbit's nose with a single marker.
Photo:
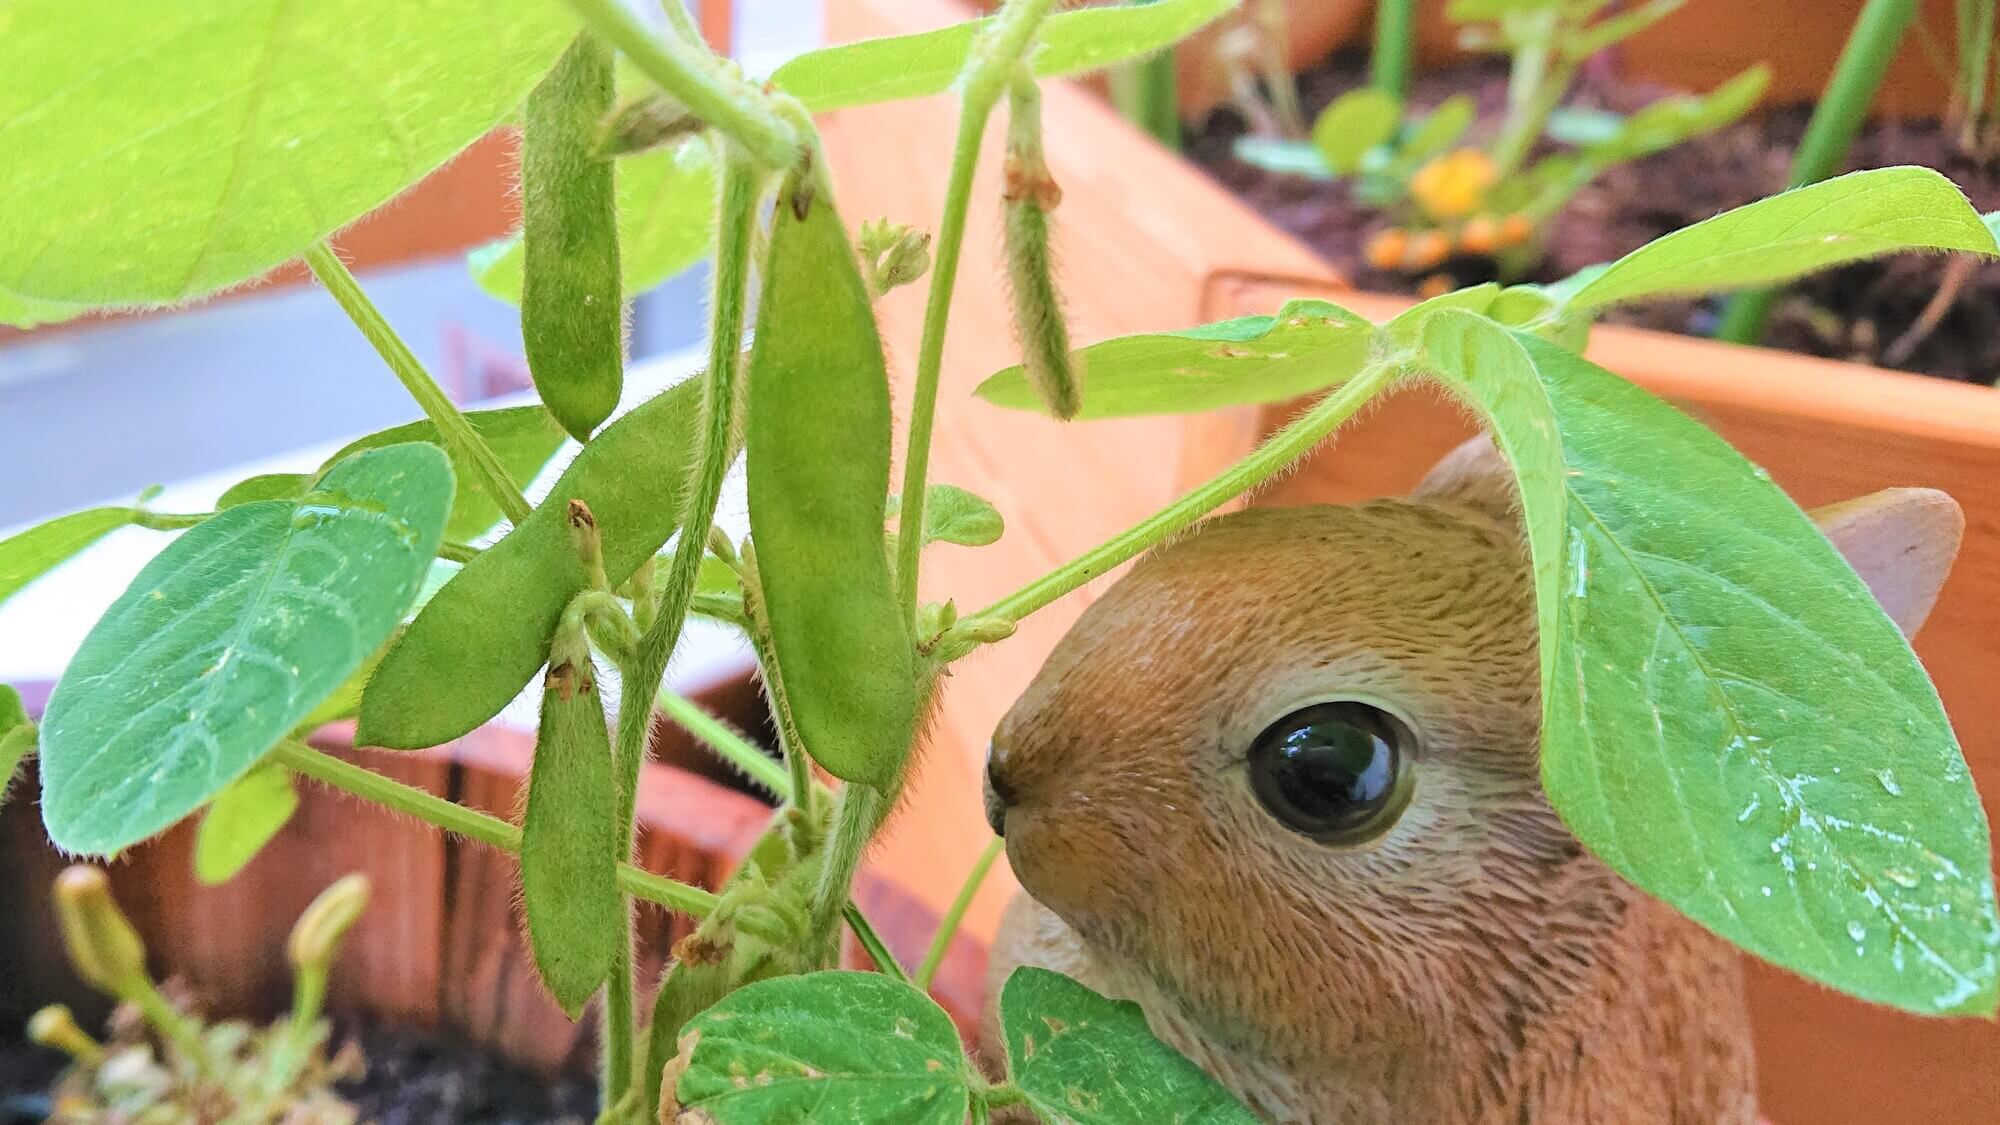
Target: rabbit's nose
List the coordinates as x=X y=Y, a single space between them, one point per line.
x=999 y=791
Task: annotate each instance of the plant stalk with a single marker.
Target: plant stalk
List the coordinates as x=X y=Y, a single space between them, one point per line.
x=727 y=744
x=457 y=433
x=986 y=76
x=1389 y=59
x=948 y=925
x=1842 y=110
x=699 y=80
x=1262 y=463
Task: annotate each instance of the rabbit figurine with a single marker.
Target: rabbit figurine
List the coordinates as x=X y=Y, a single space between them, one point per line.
x=1280 y=787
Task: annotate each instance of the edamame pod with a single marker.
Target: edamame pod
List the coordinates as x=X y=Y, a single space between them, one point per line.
x=569 y=836
x=572 y=318
x=818 y=479
x=484 y=635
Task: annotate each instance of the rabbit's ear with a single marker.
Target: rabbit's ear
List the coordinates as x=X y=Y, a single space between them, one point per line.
x=1901 y=541
x=1476 y=476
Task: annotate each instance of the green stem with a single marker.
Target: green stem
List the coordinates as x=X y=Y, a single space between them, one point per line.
x=1262 y=463
x=857 y=813
x=948 y=925
x=474 y=825
x=1389 y=60
x=176 y=1027
x=727 y=744
x=1533 y=90
x=457 y=434
x=986 y=76
x=878 y=950
x=1871 y=47
x=1002 y=1094
x=700 y=81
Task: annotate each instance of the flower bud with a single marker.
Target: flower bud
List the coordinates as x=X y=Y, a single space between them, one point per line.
x=1454 y=185
x=589 y=545
x=55 y=1027
x=895 y=254
x=1479 y=235
x=102 y=944
x=645 y=123
x=1516 y=230
x=316 y=936
x=1427 y=249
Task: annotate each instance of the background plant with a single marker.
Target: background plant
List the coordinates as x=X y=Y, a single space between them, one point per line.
x=1488 y=196
x=162 y=1064
x=411 y=582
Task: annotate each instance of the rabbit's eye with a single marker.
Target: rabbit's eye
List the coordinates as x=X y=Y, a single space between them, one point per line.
x=1337 y=772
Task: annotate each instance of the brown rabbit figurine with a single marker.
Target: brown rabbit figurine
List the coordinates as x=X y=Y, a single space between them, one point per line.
x=1280 y=786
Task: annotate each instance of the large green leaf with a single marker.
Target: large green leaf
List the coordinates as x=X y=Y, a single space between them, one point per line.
x=829 y=1046
x=156 y=152
x=1859 y=215
x=229 y=638
x=1729 y=718
x=912 y=66
x=666 y=207
x=1082 y=1058
x=483 y=636
x=241 y=820
x=1310 y=344
x=818 y=469
x=32 y=553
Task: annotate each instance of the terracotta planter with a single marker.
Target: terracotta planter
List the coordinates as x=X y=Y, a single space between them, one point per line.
x=440 y=944
x=1702 y=45
x=1826 y=431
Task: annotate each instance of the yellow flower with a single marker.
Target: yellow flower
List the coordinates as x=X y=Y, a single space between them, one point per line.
x=1454 y=185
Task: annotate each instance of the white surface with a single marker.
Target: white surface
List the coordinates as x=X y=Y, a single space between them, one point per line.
x=41 y=627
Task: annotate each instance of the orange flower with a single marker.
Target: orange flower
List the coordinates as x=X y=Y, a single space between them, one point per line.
x=1454 y=185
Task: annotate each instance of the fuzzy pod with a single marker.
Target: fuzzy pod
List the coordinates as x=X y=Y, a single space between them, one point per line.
x=818 y=461
x=485 y=634
x=570 y=837
x=572 y=315
x=1038 y=313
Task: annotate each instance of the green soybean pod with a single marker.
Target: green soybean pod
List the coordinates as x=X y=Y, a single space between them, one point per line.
x=569 y=836
x=818 y=479
x=572 y=320
x=484 y=635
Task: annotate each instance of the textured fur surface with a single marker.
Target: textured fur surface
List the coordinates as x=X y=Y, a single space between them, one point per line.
x=1474 y=964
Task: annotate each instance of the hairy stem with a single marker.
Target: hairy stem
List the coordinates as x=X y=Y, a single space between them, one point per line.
x=1278 y=451
x=730 y=746
x=948 y=925
x=1389 y=61
x=985 y=79
x=700 y=81
x=457 y=433
x=474 y=825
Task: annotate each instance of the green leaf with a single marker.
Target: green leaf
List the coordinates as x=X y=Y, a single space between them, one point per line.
x=1729 y=719
x=913 y=66
x=572 y=314
x=828 y=1046
x=265 y=486
x=17 y=738
x=954 y=515
x=1670 y=121
x=1859 y=215
x=1619 y=27
x=1439 y=130
x=159 y=152
x=818 y=459
x=29 y=312
x=1082 y=1058
x=1291 y=158
x=522 y=437
x=40 y=549
x=345 y=701
x=230 y=637
x=570 y=840
x=1253 y=359
x=241 y=820
x=1355 y=123
x=485 y=634
x=666 y=207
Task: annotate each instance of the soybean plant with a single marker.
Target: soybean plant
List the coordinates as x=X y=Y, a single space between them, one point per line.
x=411 y=583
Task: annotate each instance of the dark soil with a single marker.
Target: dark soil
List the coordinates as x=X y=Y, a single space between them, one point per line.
x=413 y=1078
x=1854 y=313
